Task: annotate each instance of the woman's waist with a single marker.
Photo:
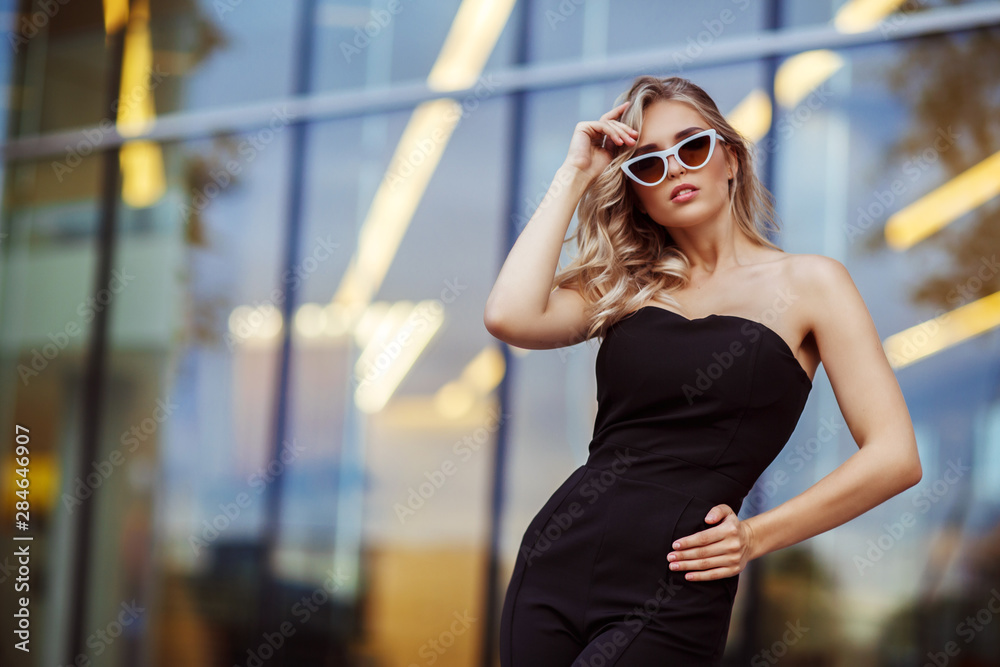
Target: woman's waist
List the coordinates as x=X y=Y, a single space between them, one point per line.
x=658 y=467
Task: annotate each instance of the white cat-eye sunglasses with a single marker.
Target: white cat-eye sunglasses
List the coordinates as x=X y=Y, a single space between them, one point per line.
x=693 y=152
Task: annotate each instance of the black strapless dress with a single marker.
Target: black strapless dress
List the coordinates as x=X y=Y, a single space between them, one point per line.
x=690 y=413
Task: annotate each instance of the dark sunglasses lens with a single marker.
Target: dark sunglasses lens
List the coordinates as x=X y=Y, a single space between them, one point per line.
x=648 y=170
x=694 y=153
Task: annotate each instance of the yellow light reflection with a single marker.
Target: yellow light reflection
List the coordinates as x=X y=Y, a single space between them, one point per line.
x=397 y=341
x=410 y=170
x=752 y=116
x=310 y=320
x=115 y=15
x=456 y=399
x=951 y=328
x=486 y=370
x=470 y=40
x=44 y=483
x=802 y=73
x=966 y=192
x=143 y=180
x=862 y=15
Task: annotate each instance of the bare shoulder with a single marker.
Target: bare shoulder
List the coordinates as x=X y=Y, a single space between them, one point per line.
x=803 y=278
x=824 y=294
x=832 y=305
x=810 y=266
x=823 y=280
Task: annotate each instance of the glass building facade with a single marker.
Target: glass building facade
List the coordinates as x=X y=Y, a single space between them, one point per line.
x=250 y=413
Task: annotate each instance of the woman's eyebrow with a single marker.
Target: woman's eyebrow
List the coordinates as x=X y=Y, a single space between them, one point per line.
x=677 y=137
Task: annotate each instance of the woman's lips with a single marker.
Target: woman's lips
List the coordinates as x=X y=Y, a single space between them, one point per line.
x=686 y=196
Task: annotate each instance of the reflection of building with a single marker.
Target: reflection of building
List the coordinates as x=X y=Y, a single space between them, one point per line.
x=390 y=181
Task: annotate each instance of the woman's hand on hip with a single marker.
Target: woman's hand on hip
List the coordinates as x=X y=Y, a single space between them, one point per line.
x=717 y=552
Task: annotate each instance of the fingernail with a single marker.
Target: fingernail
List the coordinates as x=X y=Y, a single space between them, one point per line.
x=677 y=545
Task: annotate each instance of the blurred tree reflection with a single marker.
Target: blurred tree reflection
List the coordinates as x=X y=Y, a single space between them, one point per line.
x=800 y=624
x=951 y=81
x=948 y=81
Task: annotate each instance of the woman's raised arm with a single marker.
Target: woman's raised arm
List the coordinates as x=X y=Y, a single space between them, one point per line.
x=522 y=309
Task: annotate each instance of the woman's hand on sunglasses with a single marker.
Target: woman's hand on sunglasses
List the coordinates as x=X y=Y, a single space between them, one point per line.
x=589 y=151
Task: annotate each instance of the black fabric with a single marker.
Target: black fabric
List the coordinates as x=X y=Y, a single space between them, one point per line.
x=690 y=413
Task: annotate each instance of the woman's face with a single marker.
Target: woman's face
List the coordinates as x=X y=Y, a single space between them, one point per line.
x=665 y=123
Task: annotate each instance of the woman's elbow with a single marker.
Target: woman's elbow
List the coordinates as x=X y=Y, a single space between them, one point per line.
x=494 y=323
x=916 y=473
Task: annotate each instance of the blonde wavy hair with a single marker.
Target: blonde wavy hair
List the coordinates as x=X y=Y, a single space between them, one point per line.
x=624 y=257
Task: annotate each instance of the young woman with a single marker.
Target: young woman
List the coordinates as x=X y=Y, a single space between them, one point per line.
x=710 y=338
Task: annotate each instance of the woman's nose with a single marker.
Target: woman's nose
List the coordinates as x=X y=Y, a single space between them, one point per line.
x=673 y=166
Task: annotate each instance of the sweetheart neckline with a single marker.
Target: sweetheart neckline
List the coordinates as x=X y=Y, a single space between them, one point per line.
x=786 y=348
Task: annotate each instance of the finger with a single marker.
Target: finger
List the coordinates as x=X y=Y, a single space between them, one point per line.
x=615 y=136
x=598 y=127
x=628 y=131
x=595 y=131
x=718 y=513
x=703 y=537
x=714 y=573
x=724 y=544
x=617 y=133
x=701 y=564
x=628 y=128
